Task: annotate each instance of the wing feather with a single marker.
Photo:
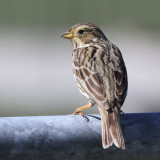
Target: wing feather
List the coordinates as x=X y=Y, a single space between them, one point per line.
x=120 y=76
x=91 y=71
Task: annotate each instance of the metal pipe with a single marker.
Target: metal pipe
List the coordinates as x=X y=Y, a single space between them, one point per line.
x=74 y=138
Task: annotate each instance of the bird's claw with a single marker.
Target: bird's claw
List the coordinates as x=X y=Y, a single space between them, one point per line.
x=81 y=114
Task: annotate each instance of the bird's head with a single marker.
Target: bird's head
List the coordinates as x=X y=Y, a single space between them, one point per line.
x=84 y=34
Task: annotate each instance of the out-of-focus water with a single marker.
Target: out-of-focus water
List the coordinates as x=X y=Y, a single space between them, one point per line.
x=36 y=72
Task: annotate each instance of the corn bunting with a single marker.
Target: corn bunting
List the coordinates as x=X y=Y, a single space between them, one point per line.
x=101 y=76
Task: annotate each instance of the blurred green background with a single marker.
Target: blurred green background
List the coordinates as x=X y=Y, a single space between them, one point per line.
x=35 y=62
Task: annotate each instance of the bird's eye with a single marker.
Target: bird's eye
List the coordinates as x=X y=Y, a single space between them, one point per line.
x=81 y=31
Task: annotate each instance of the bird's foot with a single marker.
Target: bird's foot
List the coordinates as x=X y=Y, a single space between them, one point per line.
x=79 y=109
x=81 y=114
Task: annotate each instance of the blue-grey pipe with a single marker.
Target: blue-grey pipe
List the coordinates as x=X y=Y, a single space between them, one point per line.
x=74 y=138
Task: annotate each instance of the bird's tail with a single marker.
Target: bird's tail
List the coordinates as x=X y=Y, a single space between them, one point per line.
x=111 y=129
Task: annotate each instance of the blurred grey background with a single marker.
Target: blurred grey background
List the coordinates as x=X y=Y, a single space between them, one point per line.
x=35 y=62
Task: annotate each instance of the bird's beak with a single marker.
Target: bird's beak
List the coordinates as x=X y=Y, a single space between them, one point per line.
x=67 y=35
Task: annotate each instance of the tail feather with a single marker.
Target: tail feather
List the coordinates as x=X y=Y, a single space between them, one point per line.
x=111 y=130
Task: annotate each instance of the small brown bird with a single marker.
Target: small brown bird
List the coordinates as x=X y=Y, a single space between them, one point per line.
x=101 y=76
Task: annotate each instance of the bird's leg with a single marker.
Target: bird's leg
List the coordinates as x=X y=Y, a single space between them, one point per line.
x=79 y=109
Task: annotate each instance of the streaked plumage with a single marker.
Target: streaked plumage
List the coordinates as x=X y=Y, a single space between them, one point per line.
x=101 y=76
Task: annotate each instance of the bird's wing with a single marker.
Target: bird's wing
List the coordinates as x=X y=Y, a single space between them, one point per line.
x=120 y=76
x=93 y=64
